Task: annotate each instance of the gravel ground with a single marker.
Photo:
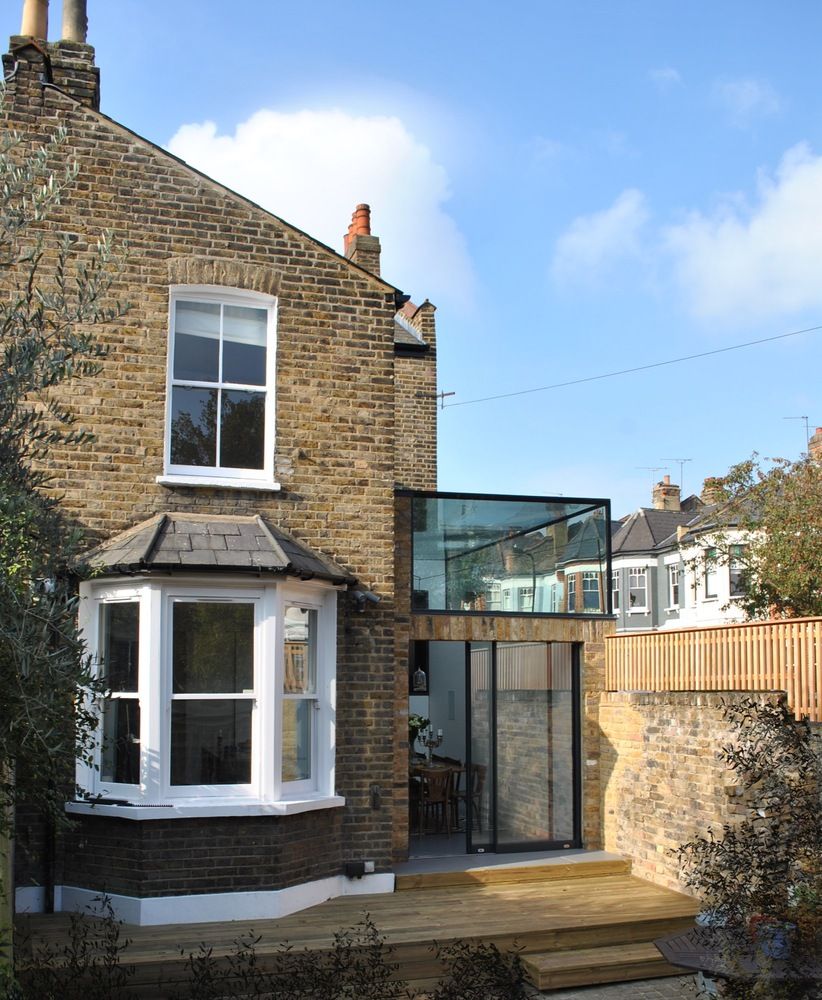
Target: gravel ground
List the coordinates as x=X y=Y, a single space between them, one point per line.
x=677 y=988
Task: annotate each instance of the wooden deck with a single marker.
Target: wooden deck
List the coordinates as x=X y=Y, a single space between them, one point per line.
x=542 y=915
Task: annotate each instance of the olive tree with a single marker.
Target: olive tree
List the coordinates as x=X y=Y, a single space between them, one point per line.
x=51 y=301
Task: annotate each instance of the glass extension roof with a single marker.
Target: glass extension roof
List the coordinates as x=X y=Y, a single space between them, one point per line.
x=521 y=555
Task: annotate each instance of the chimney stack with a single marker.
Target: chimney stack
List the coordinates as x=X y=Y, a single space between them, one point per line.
x=75 y=21
x=815 y=445
x=666 y=495
x=711 y=491
x=360 y=246
x=35 y=22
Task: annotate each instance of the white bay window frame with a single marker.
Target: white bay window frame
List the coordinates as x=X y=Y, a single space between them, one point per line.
x=216 y=475
x=155 y=797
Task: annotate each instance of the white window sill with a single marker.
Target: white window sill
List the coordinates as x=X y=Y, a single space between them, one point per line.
x=200 y=808
x=213 y=482
x=639 y=611
x=673 y=607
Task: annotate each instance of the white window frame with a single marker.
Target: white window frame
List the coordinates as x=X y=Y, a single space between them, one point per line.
x=266 y=792
x=674 y=585
x=638 y=572
x=710 y=574
x=588 y=577
x=615 y=590
x=194 y=475
x=736 y=563
x=525 y=598
x=571 y=588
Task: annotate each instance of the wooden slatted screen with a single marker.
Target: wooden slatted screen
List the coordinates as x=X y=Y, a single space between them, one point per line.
x=757 y=656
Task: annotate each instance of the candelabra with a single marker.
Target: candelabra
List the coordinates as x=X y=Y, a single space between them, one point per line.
x=431 y=742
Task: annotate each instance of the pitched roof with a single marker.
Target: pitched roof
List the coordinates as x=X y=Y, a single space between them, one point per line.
x=647 y=528
x=197 y=542
x=405 y=333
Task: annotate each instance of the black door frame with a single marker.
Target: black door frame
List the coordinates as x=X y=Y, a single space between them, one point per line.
x=576 y=750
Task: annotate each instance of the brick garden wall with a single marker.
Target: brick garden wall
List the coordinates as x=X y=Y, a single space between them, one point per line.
x=661 y=780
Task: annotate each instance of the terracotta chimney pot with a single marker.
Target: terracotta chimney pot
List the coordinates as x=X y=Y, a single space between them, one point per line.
x=359 y=245
x=35 y=22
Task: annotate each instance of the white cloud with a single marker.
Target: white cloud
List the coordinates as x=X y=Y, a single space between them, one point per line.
x=746 y=99
x=756 y=262
x=665 y=78
x=312 y=168
x=593 y=242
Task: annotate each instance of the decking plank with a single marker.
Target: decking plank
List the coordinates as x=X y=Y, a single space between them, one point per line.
x=535 y=917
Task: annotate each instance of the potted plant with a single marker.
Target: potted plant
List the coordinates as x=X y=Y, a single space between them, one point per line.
x=772 y=936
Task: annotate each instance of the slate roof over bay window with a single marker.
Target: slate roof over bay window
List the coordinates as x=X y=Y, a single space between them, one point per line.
x=196 y=542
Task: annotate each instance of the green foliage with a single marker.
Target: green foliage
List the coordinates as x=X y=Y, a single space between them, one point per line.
x=90 y=965
x=52 y=301
x=478 y=971
x=779 y=508
x=766 y=867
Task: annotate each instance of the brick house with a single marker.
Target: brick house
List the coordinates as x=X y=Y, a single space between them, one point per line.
x=272 y=560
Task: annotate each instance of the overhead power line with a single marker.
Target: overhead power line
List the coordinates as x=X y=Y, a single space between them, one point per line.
x=638 y=368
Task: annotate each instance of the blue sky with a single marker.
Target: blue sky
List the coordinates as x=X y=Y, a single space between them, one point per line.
x=579 y=187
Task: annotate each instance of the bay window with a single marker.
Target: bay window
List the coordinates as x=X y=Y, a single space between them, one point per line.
x=216 y=695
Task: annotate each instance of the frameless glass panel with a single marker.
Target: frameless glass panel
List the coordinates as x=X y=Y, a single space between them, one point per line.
x=534 y=739
x=120 y=758
x=213 y=647
x=504 y=554
x=296 y=738
x=211 y=742
x=193 y=426
x=242 y=429
x=479 y=778
x=196 y=341
x=120 y=645
x=300 y=651
x=244 y=337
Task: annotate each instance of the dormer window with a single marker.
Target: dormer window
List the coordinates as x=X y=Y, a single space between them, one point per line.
x=220 y=396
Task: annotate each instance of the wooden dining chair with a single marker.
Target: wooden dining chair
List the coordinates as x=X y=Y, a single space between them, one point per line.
x=475 y=789
x=436 y=799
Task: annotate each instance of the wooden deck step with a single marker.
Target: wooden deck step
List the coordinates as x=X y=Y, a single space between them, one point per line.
x=559 y=915
x=501 y=874
x=588 y=966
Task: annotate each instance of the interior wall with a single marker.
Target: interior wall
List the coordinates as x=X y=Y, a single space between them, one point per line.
x=446 y=702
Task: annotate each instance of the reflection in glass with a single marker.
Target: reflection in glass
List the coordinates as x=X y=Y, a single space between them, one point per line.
x=242 y=429
x=244 y=338
x=120 y=758
x=196 y=342
x=218 y=425
x=120 y=645
x=213 y=647
x=479 y=779
x=534 y=739
x=119 y=666
x=300 y=651
x=510 y=555
x=193 y=426
x=211 y=742
x=297 y=739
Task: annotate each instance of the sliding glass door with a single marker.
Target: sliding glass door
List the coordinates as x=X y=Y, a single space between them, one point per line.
x=523 y=747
